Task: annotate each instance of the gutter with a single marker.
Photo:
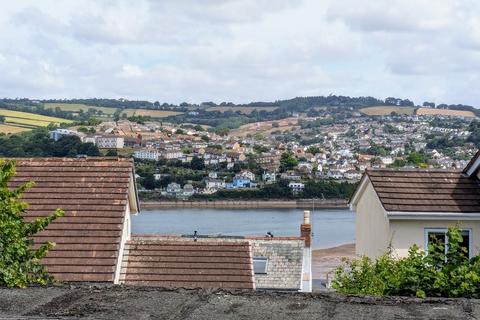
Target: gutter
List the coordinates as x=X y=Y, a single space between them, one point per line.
x=403 y=215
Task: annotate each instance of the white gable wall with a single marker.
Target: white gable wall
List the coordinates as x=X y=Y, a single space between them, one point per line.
x=371 y=226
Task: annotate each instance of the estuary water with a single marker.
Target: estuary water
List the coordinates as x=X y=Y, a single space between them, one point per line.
x=331 y=227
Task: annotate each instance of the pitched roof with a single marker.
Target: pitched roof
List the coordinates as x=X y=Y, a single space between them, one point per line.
x=473 y=164
x=94 y=193
x=425 y=190
x=188 y=264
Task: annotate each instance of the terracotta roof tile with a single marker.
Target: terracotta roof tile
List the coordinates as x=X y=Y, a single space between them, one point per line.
x=93 y=193
x=426 y=190
x=188 y=264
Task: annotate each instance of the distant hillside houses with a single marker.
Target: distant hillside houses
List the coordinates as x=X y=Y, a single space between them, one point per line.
x=101 y=141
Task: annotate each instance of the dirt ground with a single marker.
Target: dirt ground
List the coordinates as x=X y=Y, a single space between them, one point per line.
x=84 y=301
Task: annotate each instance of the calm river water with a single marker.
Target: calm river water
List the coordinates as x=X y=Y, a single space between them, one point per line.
x=331 y=227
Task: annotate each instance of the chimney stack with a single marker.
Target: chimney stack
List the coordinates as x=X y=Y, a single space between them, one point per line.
x=306 y=229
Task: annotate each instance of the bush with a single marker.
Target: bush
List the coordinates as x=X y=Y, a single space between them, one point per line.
x=19 y=262
x=420 y=274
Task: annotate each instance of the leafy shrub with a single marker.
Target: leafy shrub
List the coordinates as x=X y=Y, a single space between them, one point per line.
x=421 y=274
x=19 y=261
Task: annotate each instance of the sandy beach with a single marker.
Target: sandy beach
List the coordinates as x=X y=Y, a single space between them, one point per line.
x=326 y=260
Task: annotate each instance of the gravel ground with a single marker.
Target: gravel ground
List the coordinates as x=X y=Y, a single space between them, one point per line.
x=86 y=301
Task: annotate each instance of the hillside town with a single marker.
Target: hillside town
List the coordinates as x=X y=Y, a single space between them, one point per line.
x=180 y=161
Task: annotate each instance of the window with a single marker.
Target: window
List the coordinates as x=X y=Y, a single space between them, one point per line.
x=260 y=265
x=439 y=235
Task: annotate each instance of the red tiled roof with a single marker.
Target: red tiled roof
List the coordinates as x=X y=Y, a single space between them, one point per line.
x=93 y=193
x=188 y=264
x=426 y=190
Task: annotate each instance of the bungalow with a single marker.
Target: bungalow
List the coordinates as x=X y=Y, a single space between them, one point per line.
x=399 y=208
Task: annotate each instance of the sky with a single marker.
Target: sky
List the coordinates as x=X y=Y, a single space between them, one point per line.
x=241 y=50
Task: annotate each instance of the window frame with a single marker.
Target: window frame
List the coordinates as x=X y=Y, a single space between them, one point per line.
x=445 y=230
x=265 y=259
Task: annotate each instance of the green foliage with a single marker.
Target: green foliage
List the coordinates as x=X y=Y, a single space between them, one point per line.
x=2 y=119
x=417 y=158
x=474 y=129
x=198 y=128
x=138 y=119
x=287 y=161
x=435 y=273
x=37 y=143
x=111 y=153
x=313 y=150
x=222 y=131
x=260 y=149
x=328 y=189
x=19 y=261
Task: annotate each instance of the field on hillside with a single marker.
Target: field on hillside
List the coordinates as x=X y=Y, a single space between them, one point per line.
x=445 y=112
x=5 y=128
x=386 y=110
x=16 y=121
x=244 y=110
x=76 y=107
x=151 y=113
x=265 y=127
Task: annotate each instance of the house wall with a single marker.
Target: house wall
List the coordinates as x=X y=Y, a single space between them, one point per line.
x=372 y=234
x=126 y=234
x=406 y=233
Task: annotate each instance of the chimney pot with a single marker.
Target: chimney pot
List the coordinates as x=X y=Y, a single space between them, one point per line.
x=306 y=217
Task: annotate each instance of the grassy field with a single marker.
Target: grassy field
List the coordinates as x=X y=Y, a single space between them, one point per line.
x=5 y=128
x=110 y=111
x=244 y=110
x=265 y=127
x=16 y=121
x=76 y=107
x=151 y=113
x=387 y=110
x=445 y=112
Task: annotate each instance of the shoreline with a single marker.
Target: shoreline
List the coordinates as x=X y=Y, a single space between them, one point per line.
x=248 y=204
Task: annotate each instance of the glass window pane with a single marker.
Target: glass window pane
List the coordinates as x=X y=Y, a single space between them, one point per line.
x=259 y=265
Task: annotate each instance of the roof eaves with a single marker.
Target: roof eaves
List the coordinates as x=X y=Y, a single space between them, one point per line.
x=410 y=215
x=473 y=165
x=359 y=190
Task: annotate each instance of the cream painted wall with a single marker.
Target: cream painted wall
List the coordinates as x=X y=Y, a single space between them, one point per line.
x=372 y=235
x=407 y=232
x=126 y=235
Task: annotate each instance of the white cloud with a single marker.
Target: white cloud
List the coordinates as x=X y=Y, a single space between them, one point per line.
x=240 y=50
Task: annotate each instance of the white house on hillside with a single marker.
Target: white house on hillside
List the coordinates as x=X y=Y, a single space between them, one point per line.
x=406 y=207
